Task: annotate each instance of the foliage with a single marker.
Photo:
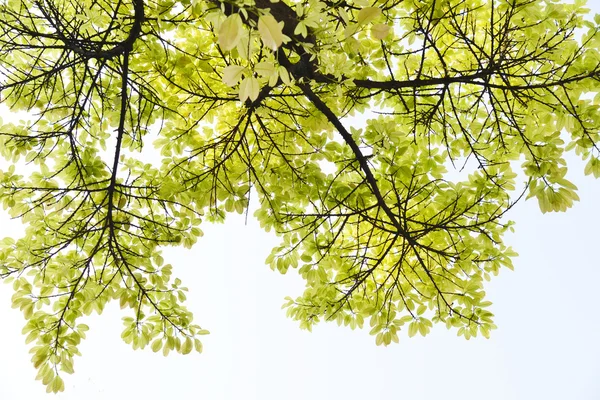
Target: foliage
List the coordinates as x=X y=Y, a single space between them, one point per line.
x=244 y=97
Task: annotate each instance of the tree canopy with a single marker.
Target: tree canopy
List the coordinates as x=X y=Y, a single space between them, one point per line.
x=146 y=119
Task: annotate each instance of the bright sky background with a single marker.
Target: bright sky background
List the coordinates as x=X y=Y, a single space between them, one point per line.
x=546 y=346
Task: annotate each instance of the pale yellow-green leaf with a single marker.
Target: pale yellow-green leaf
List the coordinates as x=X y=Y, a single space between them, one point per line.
x=265 y=69
x=423 y=329
x=350 y=30
x=284 y=75
x=301 y=29
x=198 y=345
x=413 y=328
x=367 y=14
x=344 y=15
x=270 y=31
x=246 y=47
x=485 y=332
x=232 y=74
x=387 y=338
x=67 y=366
x=230 y=32
x=156 y=345
x=249 y=89
x=188 y=346
x=380 y=31
x=273 y=79
x=57 y=384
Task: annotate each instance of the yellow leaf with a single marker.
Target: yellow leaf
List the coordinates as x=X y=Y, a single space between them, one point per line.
x=270 y=31
x=380 y=31
x=230 y=32
x=367 y=15
x=232 y=74
x=249 y=89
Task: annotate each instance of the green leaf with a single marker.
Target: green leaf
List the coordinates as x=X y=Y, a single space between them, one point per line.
x=413 y=328
x=67 y=366
x=188 y=346
x=156 y=345
x=56 y=385
x=198 y=345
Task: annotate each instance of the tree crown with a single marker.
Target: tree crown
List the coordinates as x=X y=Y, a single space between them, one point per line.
x=254 y=97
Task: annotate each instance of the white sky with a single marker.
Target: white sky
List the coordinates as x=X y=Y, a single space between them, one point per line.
x=546 y=346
